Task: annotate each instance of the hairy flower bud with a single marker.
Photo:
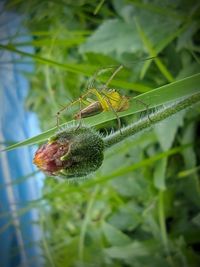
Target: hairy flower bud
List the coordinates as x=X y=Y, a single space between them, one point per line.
x=72 y=152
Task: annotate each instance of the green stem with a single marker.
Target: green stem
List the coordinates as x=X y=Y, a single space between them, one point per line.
x=45 y=244
x=74 y=68
x=152 y=52
x=163 y=229
x=161 y=215
x=150 y=120
x=85 y=225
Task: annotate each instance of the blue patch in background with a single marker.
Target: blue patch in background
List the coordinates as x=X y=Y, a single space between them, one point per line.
x=20 y=231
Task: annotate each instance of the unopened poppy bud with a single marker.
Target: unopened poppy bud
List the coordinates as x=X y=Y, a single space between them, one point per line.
x=72 y=152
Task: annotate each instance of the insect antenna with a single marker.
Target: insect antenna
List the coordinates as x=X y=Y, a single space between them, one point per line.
x=91 y=81
x=97 y=93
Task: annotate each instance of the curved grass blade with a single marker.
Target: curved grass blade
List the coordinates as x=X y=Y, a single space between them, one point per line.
x=156 y=97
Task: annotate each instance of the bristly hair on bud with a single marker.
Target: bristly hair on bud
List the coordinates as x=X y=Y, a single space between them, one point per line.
x=71 y=152
x=78 y=151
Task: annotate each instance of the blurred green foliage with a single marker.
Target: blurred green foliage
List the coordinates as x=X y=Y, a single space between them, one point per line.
x=146 y=217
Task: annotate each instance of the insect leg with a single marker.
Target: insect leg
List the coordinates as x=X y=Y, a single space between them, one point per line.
x=114 y=111
x=90 y=91
x=104 y=98
x=96 y=74
x=147 y=107
x=63 y=109
x=112 y=76
x=80 y=119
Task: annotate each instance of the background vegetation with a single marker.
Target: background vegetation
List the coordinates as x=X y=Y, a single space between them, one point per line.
x=148 y=212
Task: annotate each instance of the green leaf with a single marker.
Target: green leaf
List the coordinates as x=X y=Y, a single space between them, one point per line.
x=113 y=36
x=161 y=95
x=74 y=68
x=114 y=236
x=159 y=174
x=190 y=186
x=196 y=220
x=121 y=36
x=152 y=52
x=136 y=249
x=128 y=216
x=189 y=155
x=166 y=130
x=131 y=168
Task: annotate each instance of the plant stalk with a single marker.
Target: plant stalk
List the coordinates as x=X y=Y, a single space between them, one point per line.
x=150 y=120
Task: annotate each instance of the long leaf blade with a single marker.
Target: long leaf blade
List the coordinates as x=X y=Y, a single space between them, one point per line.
x=156 y=97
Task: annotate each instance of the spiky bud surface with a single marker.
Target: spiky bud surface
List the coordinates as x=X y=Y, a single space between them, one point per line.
x=71 y=152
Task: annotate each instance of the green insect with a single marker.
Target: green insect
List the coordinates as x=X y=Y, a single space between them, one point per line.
x=100 y=101
x=96 y=101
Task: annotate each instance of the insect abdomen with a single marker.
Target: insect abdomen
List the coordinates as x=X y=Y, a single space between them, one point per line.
x=91 y=110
